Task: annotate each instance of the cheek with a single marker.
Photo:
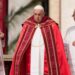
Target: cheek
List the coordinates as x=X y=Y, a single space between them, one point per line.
x=37 y=18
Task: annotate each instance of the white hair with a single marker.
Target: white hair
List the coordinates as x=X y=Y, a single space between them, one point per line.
x=39 y=7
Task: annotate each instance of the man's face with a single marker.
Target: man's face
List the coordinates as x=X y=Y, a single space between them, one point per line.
x=38 y=15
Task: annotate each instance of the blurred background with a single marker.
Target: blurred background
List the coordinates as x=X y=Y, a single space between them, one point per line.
x=18 y=12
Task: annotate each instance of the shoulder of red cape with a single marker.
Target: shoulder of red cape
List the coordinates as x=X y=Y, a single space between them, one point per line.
x=45 y=21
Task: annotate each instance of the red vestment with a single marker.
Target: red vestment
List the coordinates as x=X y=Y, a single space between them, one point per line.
x=55 y=62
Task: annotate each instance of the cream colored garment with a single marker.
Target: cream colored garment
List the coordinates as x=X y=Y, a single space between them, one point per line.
x=37 y=53
x=2 y=71
x=70 y=37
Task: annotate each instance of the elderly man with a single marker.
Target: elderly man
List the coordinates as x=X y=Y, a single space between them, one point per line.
x=40 y=49
x=70 y=43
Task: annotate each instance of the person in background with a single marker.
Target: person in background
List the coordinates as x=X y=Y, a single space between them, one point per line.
x=2 y=70
x=70 y=46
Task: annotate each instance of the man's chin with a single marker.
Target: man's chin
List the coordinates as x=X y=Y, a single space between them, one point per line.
x=38 y=21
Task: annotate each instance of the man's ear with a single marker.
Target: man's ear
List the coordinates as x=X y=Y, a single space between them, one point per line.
x=43 y=14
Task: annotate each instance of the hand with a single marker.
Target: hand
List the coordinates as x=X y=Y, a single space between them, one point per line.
x=73 y=43
x=1 y=34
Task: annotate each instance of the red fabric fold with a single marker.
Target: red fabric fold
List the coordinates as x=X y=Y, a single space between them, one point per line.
x=23 y=63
